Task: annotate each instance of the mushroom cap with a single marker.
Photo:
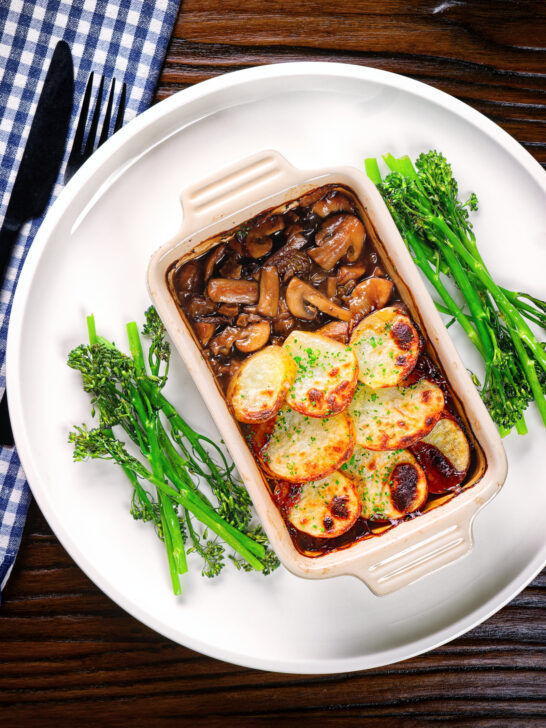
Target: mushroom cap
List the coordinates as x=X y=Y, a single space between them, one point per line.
x=253 y=337
x=338 y=235
x=299 y=294
x=369 y=295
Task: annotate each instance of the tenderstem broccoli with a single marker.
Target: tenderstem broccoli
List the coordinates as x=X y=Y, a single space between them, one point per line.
x=170 y=458
x=434 y=223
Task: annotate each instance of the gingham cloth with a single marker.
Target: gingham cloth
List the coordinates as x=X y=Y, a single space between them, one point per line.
x=125 y=39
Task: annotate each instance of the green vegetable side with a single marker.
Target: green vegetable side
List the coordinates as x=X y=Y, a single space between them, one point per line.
x=424 y=203
x=126 y=394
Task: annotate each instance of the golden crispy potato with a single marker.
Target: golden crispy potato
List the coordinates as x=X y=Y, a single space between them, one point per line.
x=258 y=389
x=326 y=377
x=395 y=417
x=324 y=508
x=390 y=484
x=300 y=448
x=444 y=454
x=386 y=344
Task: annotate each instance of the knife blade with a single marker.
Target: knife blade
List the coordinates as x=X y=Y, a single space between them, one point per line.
x=39 y=168
x=43 y=152
x=46 y=142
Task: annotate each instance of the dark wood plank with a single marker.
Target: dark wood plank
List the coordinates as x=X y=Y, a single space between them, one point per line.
x=69 y=656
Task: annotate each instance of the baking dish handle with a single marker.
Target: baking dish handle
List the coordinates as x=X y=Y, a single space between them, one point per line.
x=215 y=197
x=403 y=562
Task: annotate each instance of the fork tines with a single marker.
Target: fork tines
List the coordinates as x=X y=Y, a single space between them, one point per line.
x=80 y=152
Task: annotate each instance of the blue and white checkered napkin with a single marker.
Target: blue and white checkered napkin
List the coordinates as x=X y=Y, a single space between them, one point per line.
x=125 y=39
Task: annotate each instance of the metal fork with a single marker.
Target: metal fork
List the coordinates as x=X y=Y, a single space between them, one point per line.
x=81 y=152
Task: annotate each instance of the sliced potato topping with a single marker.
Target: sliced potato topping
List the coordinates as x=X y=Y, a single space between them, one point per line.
x=444 y=454
x=327 y=374
x=325 y=508
x=258 y=389
x=395 y=417
x=387 y=347
x=302 y=448
x=390 y=484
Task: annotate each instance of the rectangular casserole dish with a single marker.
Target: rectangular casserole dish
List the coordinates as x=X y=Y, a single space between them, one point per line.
x=413 y=548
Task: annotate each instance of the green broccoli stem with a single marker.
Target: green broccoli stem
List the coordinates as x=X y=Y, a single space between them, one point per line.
x=179 y=463
x=179 y=426
x=173 y=566
x=531 y=374
x=169 y=512
x=149 y=419
x=475 y=306
x=91 y=329
x=536 y=315
x=521 y=426
x=240 y=542
x=172 y=537
x=511 y=314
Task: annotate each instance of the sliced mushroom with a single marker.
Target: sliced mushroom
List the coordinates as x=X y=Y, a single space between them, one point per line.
x=268 y=303
x=204 y=330
x=214 y=257
x=284 y=322
x=231 y=269
x=311 y=197
x=235 y=243
x=339 y=235
x=253 y=337
x=333 y=202
x=258 y=240
x=187 y=281
x=338 y=330
x=222 y=343
x=295 y=239
x=229 y=290
x=248 y=317
x=331 y=286
x=200 y=306
x=290 y=263
x=229 y=309
x=299 y=294
x=348 y=273
x=371 y=294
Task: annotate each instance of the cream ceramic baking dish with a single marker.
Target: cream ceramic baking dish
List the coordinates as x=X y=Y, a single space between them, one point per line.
x=413 y=548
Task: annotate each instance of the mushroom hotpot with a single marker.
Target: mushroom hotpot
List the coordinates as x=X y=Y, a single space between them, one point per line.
x=266 y=181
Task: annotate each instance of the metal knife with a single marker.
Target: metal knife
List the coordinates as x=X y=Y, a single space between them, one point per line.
x=39 y=167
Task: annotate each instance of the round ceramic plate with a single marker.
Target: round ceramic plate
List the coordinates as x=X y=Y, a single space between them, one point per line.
x=91 y=255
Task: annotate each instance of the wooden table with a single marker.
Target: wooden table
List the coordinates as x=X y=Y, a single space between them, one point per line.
x=69 y=656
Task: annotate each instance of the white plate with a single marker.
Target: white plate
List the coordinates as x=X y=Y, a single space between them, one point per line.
x=91 y=255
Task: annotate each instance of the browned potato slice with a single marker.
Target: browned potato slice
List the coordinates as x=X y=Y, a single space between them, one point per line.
x=326 y=377
x=387 y=347
x=395 y=417
x=301 y=448
x=324 y=508
x=444 y=454
x=390 y=484
x=258 y=389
